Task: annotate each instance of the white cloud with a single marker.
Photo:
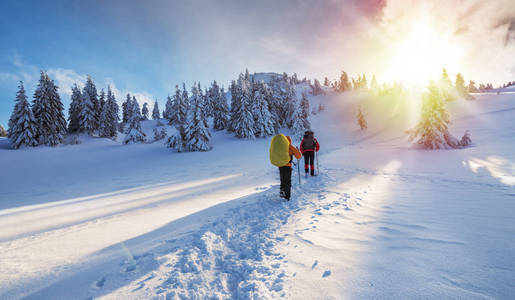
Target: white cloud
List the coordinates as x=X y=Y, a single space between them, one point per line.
x=66 y=78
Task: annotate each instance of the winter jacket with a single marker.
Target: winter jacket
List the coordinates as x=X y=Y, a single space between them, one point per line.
x=317 y=146
x=293 y=151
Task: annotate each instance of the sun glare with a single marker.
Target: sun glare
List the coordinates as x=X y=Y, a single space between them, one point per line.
x=421 y=54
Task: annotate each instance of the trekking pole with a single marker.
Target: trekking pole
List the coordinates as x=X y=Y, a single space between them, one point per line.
x=298 y=170
x=316 y=158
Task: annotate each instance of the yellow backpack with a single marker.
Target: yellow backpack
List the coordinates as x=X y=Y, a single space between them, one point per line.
x=280 y=150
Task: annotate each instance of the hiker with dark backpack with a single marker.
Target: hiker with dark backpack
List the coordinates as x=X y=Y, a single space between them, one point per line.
x=308 y=147
x=281 y=155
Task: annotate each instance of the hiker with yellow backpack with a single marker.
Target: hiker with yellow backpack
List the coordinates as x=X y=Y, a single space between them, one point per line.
x=281 y=155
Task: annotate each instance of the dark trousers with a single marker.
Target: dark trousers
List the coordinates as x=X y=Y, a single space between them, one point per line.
x=285 y=174
x=309 y=161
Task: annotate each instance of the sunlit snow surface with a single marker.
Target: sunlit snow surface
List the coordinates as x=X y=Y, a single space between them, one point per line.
x=382 y=220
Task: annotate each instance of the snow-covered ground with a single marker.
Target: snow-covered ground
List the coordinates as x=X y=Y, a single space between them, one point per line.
x=104 y=220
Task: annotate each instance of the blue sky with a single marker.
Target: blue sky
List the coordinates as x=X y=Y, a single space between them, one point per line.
x=146 y=47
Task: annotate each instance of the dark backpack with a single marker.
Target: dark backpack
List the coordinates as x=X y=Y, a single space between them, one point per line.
x=309 y=141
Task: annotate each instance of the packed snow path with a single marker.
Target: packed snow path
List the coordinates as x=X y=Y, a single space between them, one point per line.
x=381 y=221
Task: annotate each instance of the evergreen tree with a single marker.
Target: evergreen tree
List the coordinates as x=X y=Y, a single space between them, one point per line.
x=304 y=111
x=159 y=134
x=290 y=104
x=22 y=126
x=263 y=123
x=235 y=103
x=327 y=82
x=213 y=97
x=373 y=84
x=363 y=84
x=361 y=120
x=294 y=78
x=434 y=121
x=182 y=109
x=220 y=111
x=172 y=107
x=344 y=84
x=87 y=114
x=449 y=92
x=155 y=111
x=145 y=112
x=90 y=96
x=135 y=108
x=168 y=112
x=101 y=100
x=472 y=87
x=197 y=133
x=316 y=89
x=74 y=110
x=460 y=85
x=48 y=113
x=109 y=117
x=243 y=122
x=134 y=133
x=126 y=109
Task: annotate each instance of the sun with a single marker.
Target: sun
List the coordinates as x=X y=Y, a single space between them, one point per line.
x=421 y=54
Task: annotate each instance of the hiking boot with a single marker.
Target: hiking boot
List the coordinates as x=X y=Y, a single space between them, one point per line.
x=282 y=194
x=312 y=172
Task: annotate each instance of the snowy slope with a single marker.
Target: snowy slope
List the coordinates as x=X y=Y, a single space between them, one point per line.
x=381 y=221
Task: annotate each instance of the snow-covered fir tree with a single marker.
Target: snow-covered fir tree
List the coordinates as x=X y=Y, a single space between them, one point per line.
x=316 y=88
x=136 y=109
x=159 y=134
x=22 y=127
x=213 y=95
x=220 y=111
x=183 y=107
x=361 y=119
x=300 y=121
x=145 y=112
x=126 y=109
x=89 y=123
x=178 y=140
x=87 y=114
x=344 y=84
x=304 y=111
x=101 y=100
x=446 y=87
x=290 y=100
x=74 y=110
x=472 y=87
x=168 y=111
x=196 y=130
x=263 y=124
x=134 y=134
x=460 y=85
x=155 y=111
x=235 y=89
x=109 y=117
x=374 y=86
x=180 y=106
x=243 y=122
x=48 y=112
x=432 y=131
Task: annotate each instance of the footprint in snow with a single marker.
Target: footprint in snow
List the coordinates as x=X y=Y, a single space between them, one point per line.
x=326 y=273
x=100 y=283
x=314 y=264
